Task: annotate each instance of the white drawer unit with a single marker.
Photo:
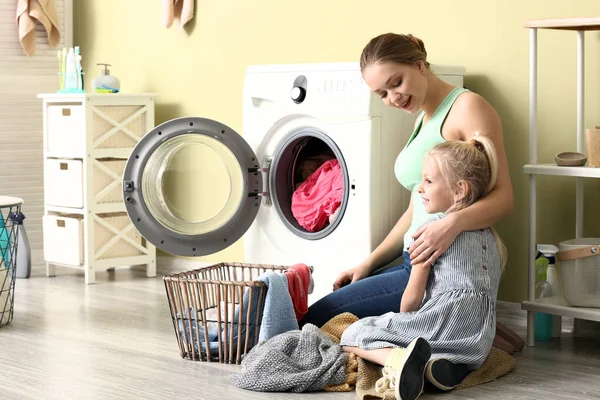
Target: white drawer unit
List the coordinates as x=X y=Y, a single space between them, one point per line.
x=65 y=183
x=113 y=237
x=58 y=231
x=66 y=129
x=87 y=140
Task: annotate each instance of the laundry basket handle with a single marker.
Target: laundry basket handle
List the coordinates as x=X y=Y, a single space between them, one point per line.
x=580 y=252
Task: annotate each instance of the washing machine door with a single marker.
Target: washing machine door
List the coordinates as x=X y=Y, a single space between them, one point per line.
x=192 y=186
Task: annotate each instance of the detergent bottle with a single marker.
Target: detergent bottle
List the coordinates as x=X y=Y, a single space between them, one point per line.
x=549 y=251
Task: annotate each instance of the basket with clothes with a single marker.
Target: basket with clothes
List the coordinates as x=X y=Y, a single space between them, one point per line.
x=222 y=311
x=9 y=207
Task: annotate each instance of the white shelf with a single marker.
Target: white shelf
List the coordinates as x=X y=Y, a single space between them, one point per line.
x=123 y=153
x=553 y=169
x=68 y=155
x=65 y=210
x=110 y=208
x=558 y=306
x=573 y=24
x=122 y=95
x=99 y=131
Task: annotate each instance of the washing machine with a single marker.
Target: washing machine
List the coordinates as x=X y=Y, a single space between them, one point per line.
x=194 y=186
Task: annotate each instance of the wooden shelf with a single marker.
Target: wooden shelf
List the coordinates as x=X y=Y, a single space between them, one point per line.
x=553 y=169
x=558 y=306
x=571 y=24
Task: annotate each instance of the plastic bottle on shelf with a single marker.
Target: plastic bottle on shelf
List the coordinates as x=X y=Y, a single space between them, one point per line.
x=549 y=251
x=543 y=321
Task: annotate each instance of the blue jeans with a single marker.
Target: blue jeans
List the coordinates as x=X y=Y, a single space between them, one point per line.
x=371 y=296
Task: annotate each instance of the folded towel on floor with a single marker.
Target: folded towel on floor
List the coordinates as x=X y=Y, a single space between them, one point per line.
x=29 y=12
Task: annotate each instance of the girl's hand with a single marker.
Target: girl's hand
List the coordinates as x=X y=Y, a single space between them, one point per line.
x=432 y=240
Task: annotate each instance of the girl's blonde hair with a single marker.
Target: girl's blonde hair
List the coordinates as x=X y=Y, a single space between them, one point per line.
x=475 y=163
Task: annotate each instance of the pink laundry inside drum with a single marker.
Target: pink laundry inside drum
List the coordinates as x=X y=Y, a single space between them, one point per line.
x=319 y=196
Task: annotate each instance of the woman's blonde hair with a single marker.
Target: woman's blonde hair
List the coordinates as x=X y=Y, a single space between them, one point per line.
x=473 y=162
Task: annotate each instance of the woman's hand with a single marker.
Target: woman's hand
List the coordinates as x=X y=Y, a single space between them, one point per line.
x=350 y=276
x=432 y=240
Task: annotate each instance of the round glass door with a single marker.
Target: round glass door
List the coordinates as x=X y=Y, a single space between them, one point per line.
x=191 y=186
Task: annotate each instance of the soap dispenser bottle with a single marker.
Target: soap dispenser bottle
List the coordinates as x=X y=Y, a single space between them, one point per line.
x=106 y=83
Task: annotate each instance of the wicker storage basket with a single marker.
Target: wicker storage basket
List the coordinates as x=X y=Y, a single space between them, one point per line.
x=580 y=271
x=210 y=306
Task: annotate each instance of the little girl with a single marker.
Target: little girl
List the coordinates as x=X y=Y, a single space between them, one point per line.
x=446 y=324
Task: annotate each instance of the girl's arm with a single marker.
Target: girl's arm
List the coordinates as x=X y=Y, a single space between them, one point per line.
x=415 y=289
x=477 y=115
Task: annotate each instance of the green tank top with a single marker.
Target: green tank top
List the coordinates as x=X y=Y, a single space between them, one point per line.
x=408 y=167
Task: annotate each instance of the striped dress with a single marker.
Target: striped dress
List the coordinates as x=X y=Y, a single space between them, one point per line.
x=458 y=313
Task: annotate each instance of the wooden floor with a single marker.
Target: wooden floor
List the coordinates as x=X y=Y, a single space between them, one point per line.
x=115 y=340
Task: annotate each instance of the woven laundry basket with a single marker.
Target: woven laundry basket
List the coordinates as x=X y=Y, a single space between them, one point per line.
x=210 y=306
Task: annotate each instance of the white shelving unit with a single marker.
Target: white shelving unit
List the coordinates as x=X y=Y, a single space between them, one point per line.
x=555 y=306
x=87 y=140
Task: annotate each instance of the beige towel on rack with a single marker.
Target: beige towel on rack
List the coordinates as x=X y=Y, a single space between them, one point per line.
x=29 y=12
x=180 y=11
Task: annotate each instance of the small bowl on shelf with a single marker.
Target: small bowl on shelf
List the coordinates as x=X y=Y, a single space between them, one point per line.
x=570 y=159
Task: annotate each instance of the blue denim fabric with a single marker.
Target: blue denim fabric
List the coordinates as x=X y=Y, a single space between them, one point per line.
x=371 y=296
x=184 y=331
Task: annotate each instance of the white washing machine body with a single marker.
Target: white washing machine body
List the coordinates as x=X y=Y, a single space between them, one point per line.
x=282 y=104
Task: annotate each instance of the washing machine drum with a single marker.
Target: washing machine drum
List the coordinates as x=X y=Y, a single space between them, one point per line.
x=166 y=179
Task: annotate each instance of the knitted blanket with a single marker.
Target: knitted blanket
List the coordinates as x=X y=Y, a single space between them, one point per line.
x=296 y=361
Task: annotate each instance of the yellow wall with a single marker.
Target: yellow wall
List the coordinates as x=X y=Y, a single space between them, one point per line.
x=199 y=71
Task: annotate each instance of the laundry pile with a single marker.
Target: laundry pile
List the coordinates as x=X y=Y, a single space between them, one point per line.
x=316 y=201
x=311 y=359
x=285 y=304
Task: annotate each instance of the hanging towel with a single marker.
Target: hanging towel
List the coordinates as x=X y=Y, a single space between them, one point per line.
x=180 y=11
x=278 y=313
x=29 y=12
x=319 y=196
x=298 y=277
